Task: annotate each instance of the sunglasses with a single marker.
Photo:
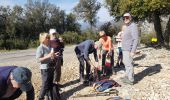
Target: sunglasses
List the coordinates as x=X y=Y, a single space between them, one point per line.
x=126 y=17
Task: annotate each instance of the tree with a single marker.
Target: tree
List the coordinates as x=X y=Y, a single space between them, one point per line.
x=108 y=28
x=142 y=10
x=71 y=23
x=87 y=10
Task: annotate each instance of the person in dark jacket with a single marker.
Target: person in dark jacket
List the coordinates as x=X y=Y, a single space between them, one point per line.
x=15 y=80
x=82 y=51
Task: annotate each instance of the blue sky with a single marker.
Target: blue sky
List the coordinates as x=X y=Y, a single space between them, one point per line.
x=66 y=5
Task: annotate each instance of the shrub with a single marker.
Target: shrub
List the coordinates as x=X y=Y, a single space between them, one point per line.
x=146 y=38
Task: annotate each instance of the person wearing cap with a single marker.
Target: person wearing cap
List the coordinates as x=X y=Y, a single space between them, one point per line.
x=107 y=51
x=129 y=46
x=13 y=81
x=58 y=45
x=82 y=51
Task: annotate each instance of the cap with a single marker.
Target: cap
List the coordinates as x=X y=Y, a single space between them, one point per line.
x=23 y=76
x=127 y=14
x=52 y=31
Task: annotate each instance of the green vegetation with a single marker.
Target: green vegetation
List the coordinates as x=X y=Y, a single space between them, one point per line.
x=150 y=10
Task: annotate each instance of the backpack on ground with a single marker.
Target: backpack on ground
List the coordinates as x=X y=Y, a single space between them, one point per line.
x=103 y=85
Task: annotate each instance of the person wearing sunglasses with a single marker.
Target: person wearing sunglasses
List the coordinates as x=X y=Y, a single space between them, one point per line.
x=129 y=45
x=13 y=81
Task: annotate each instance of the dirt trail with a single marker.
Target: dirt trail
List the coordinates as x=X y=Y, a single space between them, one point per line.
x=152 y=72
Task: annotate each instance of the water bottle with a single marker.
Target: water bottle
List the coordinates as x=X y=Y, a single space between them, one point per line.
x=52 y=51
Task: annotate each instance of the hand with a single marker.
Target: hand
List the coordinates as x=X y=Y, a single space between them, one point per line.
x=132 y=54
x=57 y=54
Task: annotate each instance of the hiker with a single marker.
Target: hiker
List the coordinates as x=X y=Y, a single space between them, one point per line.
x=44 y=56
x=107 y=52
x=82 y=51
x=58 y=45
x=13 y=81
x=129 y=46
x=119 y=48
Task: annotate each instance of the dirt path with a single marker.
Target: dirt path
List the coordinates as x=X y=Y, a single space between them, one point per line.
x=152 y=72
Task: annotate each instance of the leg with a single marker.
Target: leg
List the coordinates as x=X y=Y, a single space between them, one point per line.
x=44 y=88
x=104 y=52
x=87 y=70
x=127 y=59
x=58 y=70
x=81 y=61
x=81 y=68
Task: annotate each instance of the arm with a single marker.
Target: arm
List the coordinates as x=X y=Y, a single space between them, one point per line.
x=135 y=36
x=40 y=55
x=30 y=94
x=86 y=50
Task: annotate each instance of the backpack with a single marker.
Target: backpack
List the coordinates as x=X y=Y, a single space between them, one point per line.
x=104 y=85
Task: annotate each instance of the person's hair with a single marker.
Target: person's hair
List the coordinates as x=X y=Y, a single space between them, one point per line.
x=102 y=33
x=43 y=36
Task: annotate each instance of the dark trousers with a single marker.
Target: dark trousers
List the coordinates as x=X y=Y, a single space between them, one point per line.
x=82 y=63
x=104 y=53
x=57 y=69
x=47 y=82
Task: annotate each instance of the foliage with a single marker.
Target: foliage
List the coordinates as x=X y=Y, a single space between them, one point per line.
x=75 y=38
x=87 y=10
x=108 y=28
x=142 y=10
x=146 y=38
x=27 y=22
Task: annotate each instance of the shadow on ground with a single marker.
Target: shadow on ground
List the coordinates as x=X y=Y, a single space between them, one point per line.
x=149 y=71
x=70 y=83
x=140 y=57
x=66 y=94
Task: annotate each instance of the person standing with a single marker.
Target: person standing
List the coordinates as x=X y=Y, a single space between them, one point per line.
x=82 y=51
x=129 y=46
x=119 y=48
x=107 y=52
x=44 y=56
x=13 y=81
x=59 y=48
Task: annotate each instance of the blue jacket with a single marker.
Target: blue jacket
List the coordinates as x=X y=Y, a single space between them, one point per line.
x=4 y=74
x=86 y=48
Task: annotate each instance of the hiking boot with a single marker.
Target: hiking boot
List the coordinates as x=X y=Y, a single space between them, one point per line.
x=127 y=81
x=122 y=65
x=117 y=66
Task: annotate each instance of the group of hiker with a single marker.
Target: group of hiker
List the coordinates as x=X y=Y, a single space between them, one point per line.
x=14 y=80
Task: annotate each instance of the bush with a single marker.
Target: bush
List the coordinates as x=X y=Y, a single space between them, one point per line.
x=34 y=43
x=14 y=44
x=146 y=38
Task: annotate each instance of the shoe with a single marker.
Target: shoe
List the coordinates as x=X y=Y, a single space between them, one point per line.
x=122 y=65
x=127 y=81
x=117 y=66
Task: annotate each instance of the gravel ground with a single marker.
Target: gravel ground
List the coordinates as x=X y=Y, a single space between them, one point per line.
x=152 y=69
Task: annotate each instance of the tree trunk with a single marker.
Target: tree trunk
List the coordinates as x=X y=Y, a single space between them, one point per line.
x=158 y=29
x=167 y=33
